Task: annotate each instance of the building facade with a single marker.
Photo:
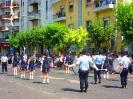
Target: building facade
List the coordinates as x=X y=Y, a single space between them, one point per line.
x=9 y=23
x=35 y=13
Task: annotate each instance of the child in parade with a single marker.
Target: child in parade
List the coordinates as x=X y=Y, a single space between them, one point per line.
x=68 y=61
x=46 y=67
x=23 y=69
x=32 y=65
x=16 y=63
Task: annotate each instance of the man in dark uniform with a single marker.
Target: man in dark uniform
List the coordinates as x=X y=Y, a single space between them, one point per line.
x=84 y=62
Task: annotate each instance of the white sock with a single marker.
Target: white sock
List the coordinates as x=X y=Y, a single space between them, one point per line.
x=21 y=76
x=47 y=80
x=107 y=75
x=24 y=75
x=44 y=81
x=30 y=76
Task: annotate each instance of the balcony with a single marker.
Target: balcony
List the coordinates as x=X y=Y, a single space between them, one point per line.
x=15 y=5
x=35 y=15
x=15 y=17
x=33 y=2
x=5 y=17
x=9 y=28
x=104 y=5
x=4 y=40
x=59 y=16
x=4 y=29
x=5 y=5
x=55 y=1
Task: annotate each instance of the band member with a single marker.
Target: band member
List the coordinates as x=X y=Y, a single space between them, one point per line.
x=46 y=67
x=32 y=64
x=124 y=74
x=84 y=62
x=4 y=62
x=106 y=67
x=23 y=68
x=16 y=63
x=99 y=61
x=68 y=60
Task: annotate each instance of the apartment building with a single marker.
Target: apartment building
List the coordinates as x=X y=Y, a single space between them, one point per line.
x=35 y=13
x=9 y=23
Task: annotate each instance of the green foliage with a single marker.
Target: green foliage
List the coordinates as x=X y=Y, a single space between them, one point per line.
x=14 y=41
x=77 y=37
x=55 y=36
x=125 y=20
x=101 y=34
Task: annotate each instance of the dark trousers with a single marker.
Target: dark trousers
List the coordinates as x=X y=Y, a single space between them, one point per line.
x=97 y=74
x=83 y=76
x=123 y=76
x=4 y=67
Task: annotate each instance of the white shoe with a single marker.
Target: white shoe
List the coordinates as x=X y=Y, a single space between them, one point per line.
x=47 y=81
x=44 y=81
x=32 y=77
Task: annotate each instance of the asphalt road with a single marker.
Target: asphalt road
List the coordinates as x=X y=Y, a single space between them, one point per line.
x=61 y=86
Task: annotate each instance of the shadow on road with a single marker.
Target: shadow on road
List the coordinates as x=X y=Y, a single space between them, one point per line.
x=110 y=86
x=38 y=82
x=70 y=90
x=10 y=75
x=113 y=80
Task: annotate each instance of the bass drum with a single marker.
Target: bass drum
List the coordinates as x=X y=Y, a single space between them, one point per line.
x=117 y=65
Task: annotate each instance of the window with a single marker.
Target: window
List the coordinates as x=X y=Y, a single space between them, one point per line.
x=7 y=13
x=71 y=26
x=8 y=1
x=88 y=25
x=62 y=12
x=105 y=22
x=70 y=6
x=88 y=0
x=88 y=3
x=46 y=6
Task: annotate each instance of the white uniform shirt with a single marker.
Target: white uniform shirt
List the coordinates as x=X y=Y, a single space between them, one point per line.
x=4 y=59
x=126 y=61
x=25 y=58
x=84 y=62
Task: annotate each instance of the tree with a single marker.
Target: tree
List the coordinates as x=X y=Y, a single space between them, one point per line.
x=101 y=35
x=77 y=37
x=14 y=41
x=54 y=36
x=125 y=20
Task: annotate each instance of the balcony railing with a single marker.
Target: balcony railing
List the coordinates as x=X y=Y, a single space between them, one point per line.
x=5 y=16
x=4 y=40
x=32 y=2
x=34 y=15
x=59 y=16
x=15 y=4
x=103 y=5
x=5 y=5
x=9 y=28
x=55 y=1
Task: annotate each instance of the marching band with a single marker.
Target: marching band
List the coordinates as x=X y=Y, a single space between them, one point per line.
x=100 y=63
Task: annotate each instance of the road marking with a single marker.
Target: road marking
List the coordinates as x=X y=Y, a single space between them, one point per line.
x=60 y=78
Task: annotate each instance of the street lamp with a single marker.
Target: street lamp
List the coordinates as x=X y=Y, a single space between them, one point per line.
x=116 y=30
